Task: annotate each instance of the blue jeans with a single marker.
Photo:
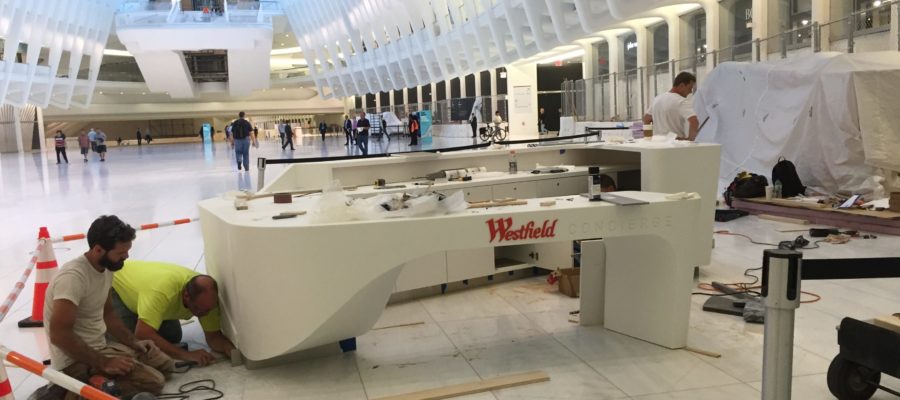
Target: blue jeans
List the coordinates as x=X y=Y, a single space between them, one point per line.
x=362 y=140
x=242 y=152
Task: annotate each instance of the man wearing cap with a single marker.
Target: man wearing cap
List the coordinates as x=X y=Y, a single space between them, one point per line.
x=152 y=297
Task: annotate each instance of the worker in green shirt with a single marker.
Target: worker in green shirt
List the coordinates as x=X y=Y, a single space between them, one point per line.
x=152 y=297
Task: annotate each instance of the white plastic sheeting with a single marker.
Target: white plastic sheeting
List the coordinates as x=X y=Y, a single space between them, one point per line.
x=834 y=115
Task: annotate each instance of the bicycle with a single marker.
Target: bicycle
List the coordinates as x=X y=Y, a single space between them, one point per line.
x=493 y=132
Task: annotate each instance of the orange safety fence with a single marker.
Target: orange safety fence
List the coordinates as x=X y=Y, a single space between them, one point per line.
x=36 y=367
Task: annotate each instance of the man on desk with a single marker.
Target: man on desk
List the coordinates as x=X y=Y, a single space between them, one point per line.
x=670 y=110
x=152 y=297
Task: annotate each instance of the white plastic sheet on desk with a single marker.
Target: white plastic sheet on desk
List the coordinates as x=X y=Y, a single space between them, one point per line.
x=335 y=206
x=834 y=115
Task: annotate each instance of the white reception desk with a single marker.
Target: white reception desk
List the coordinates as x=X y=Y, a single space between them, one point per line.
x=289 y=285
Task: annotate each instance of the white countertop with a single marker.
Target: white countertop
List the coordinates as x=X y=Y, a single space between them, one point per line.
x=262 y=210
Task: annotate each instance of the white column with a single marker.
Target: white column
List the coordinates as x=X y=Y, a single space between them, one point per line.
x=589 y=71
x=522 y=123
x=493 y=93
x=895 y=28
x=17 y=124
x=673 y=23
x=760 y=28
x=377 y=102
x=821 y=13
x=391 y=99
x=713 y=36
x=419 y=95
x=462 y=86
x=40 y=122
x=433 y=92
x=644 y=52
x=477 y=85
x=616 y=60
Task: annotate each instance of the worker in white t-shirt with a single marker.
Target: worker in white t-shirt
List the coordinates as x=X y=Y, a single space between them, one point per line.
x=670 y=110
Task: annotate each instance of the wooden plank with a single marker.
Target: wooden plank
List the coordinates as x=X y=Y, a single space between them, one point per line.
x=783 y=219
x=488 y=204
x=463 y=389
x=399 y=325
x=825 y=218
x=891 y=322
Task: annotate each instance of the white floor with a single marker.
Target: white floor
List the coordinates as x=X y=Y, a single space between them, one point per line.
x=476 y=334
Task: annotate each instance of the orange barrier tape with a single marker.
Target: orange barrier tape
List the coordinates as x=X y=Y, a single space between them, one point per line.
x=35 y=367
x=52 y=375
x=79 y=236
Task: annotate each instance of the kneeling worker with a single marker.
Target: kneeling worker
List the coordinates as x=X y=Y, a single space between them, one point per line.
x=151 y=298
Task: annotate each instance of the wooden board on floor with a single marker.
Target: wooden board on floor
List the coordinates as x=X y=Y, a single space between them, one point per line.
x=783 y=219
x=886 y=214
x=463 y=389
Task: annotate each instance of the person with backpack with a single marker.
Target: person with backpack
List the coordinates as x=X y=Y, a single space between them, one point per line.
x=92 y=137
x=322 y=129
x=59 y=142
x=101 y=145
x=241 y=137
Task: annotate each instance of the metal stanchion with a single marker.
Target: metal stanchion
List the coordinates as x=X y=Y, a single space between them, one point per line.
x=781 y=289
x=261 y=168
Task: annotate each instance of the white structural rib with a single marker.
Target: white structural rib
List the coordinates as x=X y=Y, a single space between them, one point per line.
x=392 y=44
x=52 y=50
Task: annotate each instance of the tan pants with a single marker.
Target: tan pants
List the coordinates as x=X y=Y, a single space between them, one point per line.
x=149 y=374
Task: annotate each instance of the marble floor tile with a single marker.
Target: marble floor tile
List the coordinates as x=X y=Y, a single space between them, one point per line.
x=815 y=387
x=467 y=304
x=489 y=332
x=731 y=392
x=570 y=377
x=638 y=367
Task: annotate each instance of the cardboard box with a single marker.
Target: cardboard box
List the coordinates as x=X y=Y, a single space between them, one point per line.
x=894 y=202
x=570 y=281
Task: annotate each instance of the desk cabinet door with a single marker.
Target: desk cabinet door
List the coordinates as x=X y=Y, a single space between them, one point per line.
x=422 y=272
x=554 y=255
x=476 y=193
x=518 y=190
x=562 y=187
x=468 y=264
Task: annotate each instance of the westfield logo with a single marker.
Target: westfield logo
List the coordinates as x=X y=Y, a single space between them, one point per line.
x=501 y=230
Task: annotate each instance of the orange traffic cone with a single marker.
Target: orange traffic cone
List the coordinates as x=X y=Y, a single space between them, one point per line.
x=46 y=269
x=5 y=388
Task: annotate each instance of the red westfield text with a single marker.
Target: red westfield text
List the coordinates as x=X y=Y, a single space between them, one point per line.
x=502 y=229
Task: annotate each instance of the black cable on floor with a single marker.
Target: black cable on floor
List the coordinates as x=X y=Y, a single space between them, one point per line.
x=187 y=390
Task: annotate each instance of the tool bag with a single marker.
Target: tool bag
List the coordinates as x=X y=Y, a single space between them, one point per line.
x=746 y=185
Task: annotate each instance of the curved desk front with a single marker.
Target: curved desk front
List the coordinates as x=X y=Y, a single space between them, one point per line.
x=288 y=285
